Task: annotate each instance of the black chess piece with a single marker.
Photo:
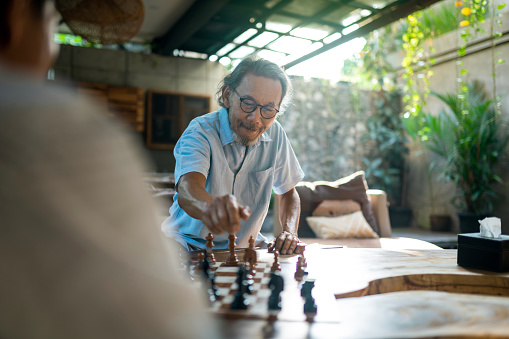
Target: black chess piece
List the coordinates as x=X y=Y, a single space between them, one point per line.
x=276 y=285
x=310 y=307
x=306 y=288
x=240 y=302
x=209 y=280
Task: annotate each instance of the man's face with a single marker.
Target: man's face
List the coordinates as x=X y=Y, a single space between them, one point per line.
x=247 y=127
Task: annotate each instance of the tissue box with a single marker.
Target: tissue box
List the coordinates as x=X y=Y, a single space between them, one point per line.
x=491 y=254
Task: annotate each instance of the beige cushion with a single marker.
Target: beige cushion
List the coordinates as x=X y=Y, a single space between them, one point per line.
x=352 y=225
x=336 y=208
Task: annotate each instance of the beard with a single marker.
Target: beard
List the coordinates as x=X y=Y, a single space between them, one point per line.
x=243 y=140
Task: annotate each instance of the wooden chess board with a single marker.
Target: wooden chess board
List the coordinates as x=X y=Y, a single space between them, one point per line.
x=291 y=300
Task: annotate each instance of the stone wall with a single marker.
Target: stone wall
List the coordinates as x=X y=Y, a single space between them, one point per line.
x=325 y=127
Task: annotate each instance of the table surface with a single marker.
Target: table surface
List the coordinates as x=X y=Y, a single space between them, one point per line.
x=381 y=293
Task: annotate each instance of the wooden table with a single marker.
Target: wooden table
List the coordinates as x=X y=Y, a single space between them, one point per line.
x=391 y=294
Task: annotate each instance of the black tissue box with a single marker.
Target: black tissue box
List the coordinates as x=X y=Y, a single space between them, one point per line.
x=491 y=254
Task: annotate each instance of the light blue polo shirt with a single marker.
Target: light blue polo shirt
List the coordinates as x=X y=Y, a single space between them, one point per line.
x=250 y=173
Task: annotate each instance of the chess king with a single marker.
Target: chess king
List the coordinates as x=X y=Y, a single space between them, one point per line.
x=229 y=161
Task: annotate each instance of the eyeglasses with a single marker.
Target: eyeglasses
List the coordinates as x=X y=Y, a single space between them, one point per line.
x=249 y=106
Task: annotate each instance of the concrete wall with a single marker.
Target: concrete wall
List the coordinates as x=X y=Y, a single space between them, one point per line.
x=478 y=62
x=147 y=71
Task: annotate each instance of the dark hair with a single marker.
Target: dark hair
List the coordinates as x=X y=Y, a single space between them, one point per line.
x=5 y=10
x=259 y=67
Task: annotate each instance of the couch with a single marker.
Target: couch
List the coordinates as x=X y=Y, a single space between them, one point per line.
x=374 y=207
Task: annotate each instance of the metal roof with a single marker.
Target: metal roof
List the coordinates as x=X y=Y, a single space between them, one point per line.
x=285 y=31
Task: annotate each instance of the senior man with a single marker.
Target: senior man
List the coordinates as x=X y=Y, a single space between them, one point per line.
x=229 y=161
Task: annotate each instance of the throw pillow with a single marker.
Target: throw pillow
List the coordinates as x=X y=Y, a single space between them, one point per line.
x=352 y=225
x=336 y=208
x=351 y=187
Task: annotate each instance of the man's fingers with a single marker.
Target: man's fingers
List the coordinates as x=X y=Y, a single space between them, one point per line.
x=279 y=242
x=293 y=246
x=232 y=210
x=210 y=225
x=286 y=245
x=245 y=212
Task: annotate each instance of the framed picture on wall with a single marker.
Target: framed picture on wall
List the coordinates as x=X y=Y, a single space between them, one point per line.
x=168 y=115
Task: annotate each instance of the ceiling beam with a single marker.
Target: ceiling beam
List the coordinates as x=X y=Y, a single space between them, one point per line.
x=200 y=12
x=379 y=20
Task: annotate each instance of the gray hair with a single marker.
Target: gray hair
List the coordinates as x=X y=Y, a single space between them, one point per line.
x=259 y=67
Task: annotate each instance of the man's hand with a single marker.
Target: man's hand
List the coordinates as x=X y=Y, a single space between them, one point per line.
x=285 y=243
x=223 y=214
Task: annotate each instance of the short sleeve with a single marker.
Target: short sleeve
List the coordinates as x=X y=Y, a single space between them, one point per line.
x=287 y=171
x=192 y=152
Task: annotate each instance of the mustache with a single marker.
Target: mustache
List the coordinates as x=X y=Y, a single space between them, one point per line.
x=251 y=127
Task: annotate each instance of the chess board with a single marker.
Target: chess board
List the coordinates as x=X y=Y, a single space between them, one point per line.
x=291 y=300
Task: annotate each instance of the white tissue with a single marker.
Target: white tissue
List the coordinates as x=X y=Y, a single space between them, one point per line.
x=491 y=227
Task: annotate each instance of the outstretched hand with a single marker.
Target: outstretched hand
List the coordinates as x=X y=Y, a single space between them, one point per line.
x=224 y=215
x=285 y=243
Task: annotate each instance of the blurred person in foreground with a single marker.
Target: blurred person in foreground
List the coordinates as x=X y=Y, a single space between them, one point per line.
x=81 y=255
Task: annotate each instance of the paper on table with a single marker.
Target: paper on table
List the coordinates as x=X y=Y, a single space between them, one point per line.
x=491 y=227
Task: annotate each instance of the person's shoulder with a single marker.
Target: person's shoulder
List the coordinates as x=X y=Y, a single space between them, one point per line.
x=276 y=131
x=205 y=123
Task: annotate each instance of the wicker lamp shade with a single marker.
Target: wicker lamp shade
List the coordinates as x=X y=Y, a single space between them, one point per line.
x=108 y=22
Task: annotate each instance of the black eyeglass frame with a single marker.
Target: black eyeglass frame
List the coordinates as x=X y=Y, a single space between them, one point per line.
x=255 y=107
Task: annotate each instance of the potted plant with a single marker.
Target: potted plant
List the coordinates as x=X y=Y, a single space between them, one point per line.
x=470 y=137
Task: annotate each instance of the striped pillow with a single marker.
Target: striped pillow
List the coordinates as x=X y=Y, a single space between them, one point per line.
x=352 y=225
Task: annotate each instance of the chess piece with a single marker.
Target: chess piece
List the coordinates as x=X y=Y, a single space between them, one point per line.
x=240 y=302
x=276 y=266
x=301 y=247
x=249 y=278
x=209 y=279
x=250 y=253
x=310 y=307
x=301 y=265
x=276 y=286
x=232 y=259
x=307 y=287
x=209 y=244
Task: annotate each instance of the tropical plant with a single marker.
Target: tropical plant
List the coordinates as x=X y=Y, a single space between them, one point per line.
x=470 y=137
x=384 y=131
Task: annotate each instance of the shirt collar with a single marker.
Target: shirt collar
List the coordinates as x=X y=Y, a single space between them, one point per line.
x=226 y=133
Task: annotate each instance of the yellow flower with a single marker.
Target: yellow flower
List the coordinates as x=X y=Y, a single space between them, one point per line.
x=458 y=3
x=464 y=23
x=466 y=11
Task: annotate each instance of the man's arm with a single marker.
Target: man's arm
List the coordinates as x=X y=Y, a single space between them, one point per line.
x=289 y=212
x=218 y=214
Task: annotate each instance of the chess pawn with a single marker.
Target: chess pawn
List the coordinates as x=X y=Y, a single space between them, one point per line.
x=209 y=244
x=276 y=266
x=232 y=259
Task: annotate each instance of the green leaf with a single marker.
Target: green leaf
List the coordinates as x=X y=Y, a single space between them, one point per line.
x=501 y=6
x=500 y=61
x=464 y=71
